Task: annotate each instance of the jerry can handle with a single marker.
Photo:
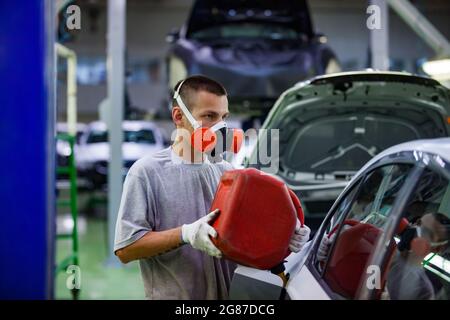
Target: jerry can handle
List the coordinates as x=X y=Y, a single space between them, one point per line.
x=298 y=207
x=228 y=177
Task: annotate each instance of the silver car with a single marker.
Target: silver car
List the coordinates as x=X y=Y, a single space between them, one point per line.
x=385 y=237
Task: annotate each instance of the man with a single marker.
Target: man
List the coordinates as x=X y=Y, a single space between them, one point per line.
x=163 y=216
x=407 y=279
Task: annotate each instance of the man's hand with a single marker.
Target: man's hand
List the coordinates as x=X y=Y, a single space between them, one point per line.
x=197 y=234
x=299 y=238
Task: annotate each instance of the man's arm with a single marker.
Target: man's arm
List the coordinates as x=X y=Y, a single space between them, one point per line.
x=151 y=244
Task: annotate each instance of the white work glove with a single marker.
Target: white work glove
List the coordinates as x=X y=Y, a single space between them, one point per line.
x=324 y=247
x=299 y=238
x=197 y=234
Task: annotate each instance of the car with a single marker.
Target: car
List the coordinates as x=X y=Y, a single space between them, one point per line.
x=375 y=250
x=255 y=49
x=141 y=138
x=331 y=125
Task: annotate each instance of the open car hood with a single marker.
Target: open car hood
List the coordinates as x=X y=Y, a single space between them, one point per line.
x=332 y=125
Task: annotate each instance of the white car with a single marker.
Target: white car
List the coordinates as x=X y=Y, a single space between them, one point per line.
x=385 y=237
x=141 y=138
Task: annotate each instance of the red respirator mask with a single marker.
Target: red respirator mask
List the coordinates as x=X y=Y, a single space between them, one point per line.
x=214 y=140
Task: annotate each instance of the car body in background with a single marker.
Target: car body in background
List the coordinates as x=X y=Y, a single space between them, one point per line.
x=255 y=49
x=330 y=126
x=408 y=183
x=141 y=138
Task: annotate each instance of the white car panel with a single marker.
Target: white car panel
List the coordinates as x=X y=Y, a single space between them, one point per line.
x=305 y=287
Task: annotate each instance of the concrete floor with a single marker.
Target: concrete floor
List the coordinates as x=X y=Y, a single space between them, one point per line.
x=98 y=281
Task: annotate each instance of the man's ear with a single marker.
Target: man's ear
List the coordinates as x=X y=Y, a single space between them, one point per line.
x=177 y=116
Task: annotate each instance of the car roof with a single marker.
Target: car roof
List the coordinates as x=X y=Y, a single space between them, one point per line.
x=439 y=147
x=126 y=125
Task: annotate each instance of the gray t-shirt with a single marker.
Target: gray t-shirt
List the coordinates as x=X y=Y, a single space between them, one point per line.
x=408 y=281
x=161 y=192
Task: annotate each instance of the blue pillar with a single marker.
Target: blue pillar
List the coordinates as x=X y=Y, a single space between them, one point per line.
x=27 y=188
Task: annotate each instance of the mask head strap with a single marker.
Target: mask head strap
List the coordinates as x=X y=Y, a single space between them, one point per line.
x=219 y=125
x=183 y=107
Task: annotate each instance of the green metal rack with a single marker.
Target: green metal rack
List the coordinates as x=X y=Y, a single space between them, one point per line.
x=71 y=202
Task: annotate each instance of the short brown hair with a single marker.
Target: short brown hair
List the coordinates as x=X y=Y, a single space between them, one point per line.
x=197 y=83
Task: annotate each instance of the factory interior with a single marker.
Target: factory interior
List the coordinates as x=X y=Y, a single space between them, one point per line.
x=89 y=90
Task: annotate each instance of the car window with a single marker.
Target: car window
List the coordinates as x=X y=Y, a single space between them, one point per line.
x=420 y=268
x=140 y=136
x=335 y=221
x=246 y=30
x=352 y=236
x=97 y=136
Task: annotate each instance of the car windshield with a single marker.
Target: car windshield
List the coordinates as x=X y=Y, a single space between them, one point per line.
x=285 y=19
x=137 y=136
x=246 y=31
x=337 y=145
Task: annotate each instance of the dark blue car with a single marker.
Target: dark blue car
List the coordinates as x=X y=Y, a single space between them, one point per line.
x=256 y=49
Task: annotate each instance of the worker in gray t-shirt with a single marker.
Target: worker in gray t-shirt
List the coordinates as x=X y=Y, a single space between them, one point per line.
x=164 y=216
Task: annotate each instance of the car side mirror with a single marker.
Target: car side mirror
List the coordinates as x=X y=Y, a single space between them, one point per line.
x=173 y=36
x=320 y=37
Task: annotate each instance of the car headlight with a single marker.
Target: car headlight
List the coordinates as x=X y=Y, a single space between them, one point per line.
x=66 y=151
x=63 y=148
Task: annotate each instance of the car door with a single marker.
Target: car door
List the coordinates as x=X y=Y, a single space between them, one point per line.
x=419 y=269
x=352 y=229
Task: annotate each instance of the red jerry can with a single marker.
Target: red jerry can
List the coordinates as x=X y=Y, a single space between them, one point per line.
x=257 y=218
